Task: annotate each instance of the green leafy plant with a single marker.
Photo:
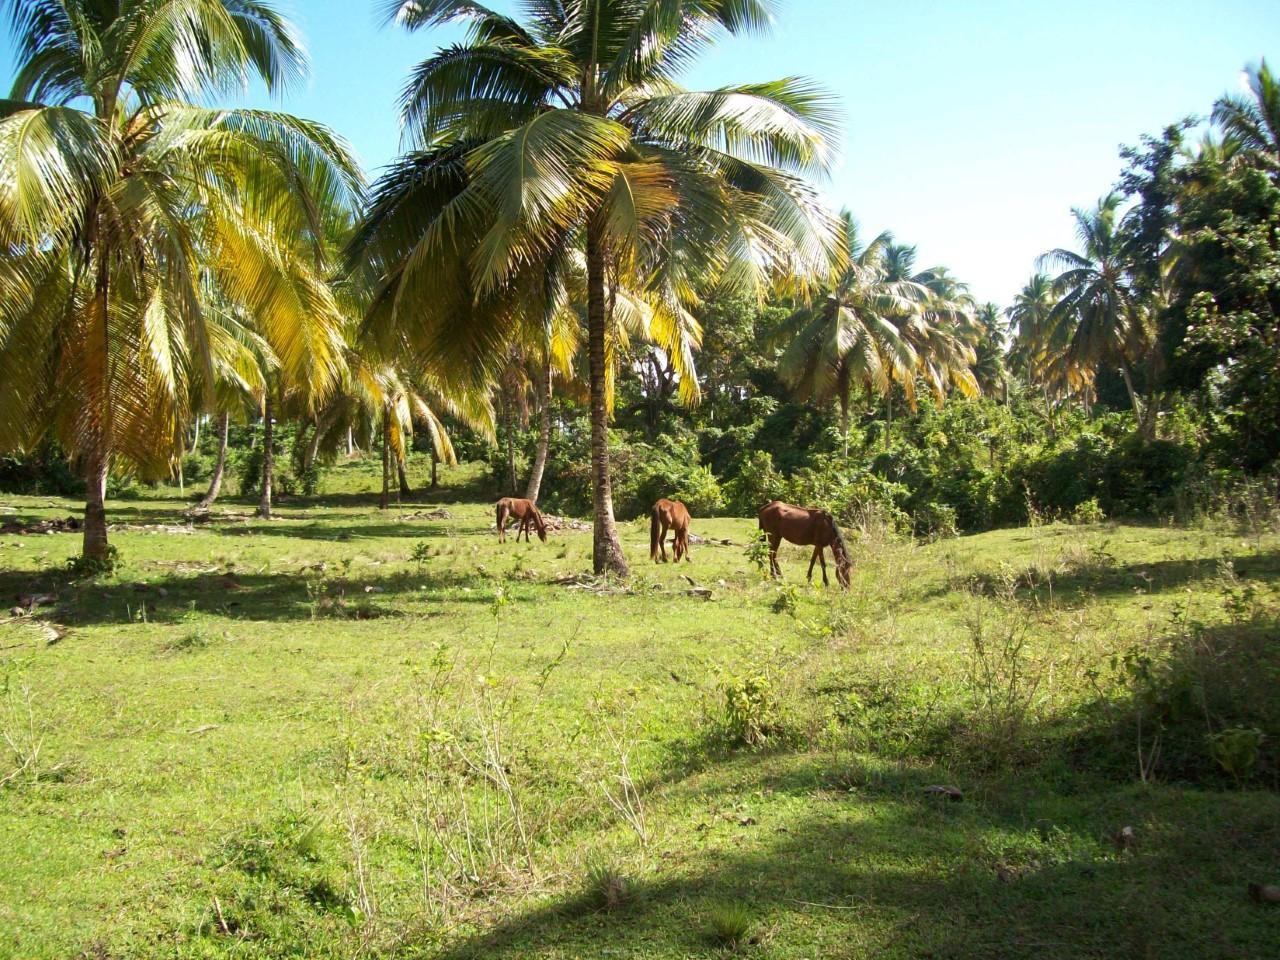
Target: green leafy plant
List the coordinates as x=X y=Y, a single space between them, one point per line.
x=1236 y=750
x=788 y=599
x=757 y=552
x=85 y=567
x=750 y=710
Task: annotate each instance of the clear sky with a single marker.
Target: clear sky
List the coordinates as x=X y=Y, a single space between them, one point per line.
x=971 y=127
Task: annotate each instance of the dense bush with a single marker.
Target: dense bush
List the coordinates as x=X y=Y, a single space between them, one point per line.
x=45 y=471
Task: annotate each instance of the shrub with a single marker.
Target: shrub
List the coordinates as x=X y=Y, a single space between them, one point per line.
x=1088 y=512
x=85 y=567
x=750 y=710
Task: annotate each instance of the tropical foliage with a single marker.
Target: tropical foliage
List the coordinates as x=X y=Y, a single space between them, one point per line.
x=610 y=287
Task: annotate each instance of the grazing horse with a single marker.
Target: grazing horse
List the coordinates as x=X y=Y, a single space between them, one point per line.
x=804 y=527
x=526 y=512
x=674 y=516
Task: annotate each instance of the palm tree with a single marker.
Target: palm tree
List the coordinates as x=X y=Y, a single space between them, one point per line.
x=989 y=367
x=1097 y=320
x=1254 y=121
x=1029 y=315
x=845 y=337
x=118 y=198
x=943 y=331
x=568 y=132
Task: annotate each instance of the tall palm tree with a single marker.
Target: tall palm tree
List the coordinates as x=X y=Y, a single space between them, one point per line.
x=568 y=132
x=943 y=331
x=1254 y=120
x=1097 y=320
x=118 y=198
x=844 y=337
x=990 y=368
x=1029 y=315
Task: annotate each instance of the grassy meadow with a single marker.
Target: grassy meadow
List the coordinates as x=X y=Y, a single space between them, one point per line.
x=350 y=732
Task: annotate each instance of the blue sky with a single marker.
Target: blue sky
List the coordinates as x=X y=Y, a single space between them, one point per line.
x=971 y=127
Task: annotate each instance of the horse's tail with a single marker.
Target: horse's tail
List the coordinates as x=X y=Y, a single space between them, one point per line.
x=655 y=521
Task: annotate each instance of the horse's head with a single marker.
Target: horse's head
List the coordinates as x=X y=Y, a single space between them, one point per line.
x=540 y=525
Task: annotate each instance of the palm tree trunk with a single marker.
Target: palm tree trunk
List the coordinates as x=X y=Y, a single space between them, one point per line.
x=268 y=457
x=386 y=458
x=406 y=491
x=544 y=435
x=888 y=423
x=508 y=430
x=195 y=436
x=607 y=553
x=1146 y=422
x=435 y=463
x=844 y=422
x=313 y=448
x=215 y=482
x=97 y=462
x=95 y=510
x=351 y=446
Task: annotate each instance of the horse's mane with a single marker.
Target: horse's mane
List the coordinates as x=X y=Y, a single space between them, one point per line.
x=838 y=536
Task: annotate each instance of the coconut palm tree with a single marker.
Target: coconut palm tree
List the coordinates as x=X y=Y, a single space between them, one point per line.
x=1254 y=120
x=943 y=331
x=1097 y=319
x=990 y=367
x=119 y=198
x=844 y=337
x=568 y=132
x=1029 y=318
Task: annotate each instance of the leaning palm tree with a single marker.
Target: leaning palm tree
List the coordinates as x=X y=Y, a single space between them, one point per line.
x=844 y=337
x=1253 y=121
x=118 y=197
x=1097 y=320
x=568 y=132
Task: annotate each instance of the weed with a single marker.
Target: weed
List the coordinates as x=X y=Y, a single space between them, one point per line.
x=729 y=925
x=757 y=552
x=607 y=888
x=1236 y=750
x=88 y=568
x=1087 y=512
x=421 y=554
x=1002 y=680
x=750 y=710
x=22 y=734
x=787 y=600
x=188 y=642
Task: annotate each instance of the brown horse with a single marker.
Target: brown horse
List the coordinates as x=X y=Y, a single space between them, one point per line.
x=804 y=527
x=526 y=512
x=674 y=516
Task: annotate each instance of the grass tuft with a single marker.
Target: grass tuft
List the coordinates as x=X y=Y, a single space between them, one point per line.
x=729 y=925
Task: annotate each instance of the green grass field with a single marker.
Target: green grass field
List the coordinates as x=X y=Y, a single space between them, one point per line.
x=351 y=732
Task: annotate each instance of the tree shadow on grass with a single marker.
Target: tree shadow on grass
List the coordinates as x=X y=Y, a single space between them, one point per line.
x=883 y=869
x=295 y=596
x=1097 y=575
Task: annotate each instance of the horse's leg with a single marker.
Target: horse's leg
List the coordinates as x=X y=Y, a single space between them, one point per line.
x=662 y=540
x=684 y=542
x=774 y=569
x=817 y=552
x=524 y=528
x=502 y=526
x=823 y=560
